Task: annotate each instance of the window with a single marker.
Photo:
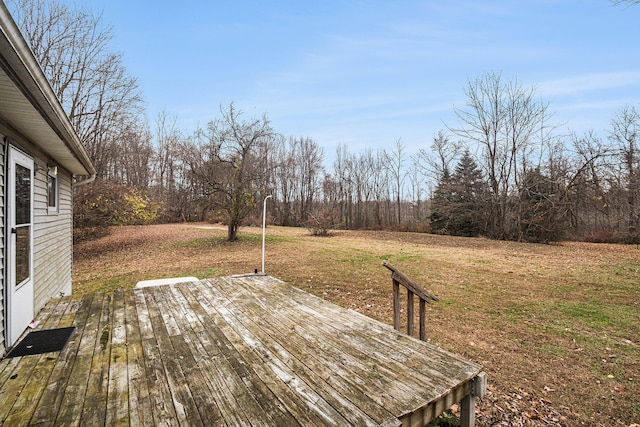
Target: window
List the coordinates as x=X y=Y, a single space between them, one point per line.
x=52 y=189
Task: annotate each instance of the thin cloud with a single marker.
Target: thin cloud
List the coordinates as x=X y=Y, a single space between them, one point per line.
x=588 y=83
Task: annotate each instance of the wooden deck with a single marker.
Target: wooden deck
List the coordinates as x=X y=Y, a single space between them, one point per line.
x=247 y=350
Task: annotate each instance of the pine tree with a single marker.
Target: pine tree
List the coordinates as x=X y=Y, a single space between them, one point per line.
x=457 y=206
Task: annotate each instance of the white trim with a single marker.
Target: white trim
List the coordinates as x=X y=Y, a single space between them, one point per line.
x=20 y=297
x=167 y=281
x=52 y=172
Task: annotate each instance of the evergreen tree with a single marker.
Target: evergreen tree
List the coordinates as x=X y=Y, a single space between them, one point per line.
x=441 y=204
x=457 y=206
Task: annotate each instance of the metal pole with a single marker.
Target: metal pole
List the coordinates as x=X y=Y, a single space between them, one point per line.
x=264 y=227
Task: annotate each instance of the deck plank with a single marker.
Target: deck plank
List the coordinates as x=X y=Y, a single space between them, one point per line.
x=184 y=404
x=190 y=360
x=15 y=383
x=236 y=385
x=219 y=336
x=58 y=313
x=117 y=411
x=416 y=364
x=138 y=391
x=91 y=377
x=378 y=337
x=49 y=404
x=160 y=399
x=322 y=362
x=276 y=358
x=331 y=328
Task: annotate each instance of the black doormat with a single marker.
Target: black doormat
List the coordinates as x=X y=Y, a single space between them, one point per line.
x=45 y=341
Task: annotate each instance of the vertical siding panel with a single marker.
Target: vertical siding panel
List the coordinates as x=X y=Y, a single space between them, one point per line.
x=2 y=240
x=52 y=239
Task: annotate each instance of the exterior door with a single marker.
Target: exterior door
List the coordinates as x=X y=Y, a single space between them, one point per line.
x=20 y=250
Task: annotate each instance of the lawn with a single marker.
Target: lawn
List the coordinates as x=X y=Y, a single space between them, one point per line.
x=557 y=327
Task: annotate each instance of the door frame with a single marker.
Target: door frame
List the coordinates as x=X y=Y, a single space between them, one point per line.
x=19 y=296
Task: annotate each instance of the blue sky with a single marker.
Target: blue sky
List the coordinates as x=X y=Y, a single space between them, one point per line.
x=366 y=73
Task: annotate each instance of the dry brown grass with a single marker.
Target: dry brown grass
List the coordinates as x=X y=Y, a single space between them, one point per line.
x=556 y=326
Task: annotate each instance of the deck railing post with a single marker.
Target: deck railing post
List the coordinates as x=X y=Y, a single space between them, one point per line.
x=477 y=389
x=409 y=312
x=398 y=278
x=396 y=305
x=423 y=316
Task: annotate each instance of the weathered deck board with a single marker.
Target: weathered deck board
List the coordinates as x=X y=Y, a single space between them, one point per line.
x=59 y=315
x=51 y=399
x=316 y=358
x=140 y=413
x=336 y=326
x=227 y=351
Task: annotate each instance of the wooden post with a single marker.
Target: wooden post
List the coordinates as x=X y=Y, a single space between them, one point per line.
x=423 y=316
x=468 y=411
x=398 y=278
x=409 y=312
x=477 y=388
x=396 y=305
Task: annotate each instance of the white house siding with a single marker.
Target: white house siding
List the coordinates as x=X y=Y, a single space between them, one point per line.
x=53 y=238
x=2 y=238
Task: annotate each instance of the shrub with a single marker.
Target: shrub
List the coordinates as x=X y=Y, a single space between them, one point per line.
x=321 y=221
x=102 y=204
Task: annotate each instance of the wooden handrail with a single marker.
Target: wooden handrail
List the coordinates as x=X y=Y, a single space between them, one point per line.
x=399 y=278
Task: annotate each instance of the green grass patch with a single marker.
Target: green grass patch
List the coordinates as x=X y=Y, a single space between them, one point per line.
x=206 y=273
x=404 y=258
x=515 y=313
x=482 y=262
x=109 y=284
x=625 y=271
x=589 y=314
x=598 y=314
x=554 y=350
x=360 y=257
x=221 y=242
x=396 y=258
x=257 y=238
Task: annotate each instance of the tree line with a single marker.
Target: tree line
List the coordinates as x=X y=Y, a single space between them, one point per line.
x=503 y=171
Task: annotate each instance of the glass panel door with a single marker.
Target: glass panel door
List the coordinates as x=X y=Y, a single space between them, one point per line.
x=20 y=254
x=22 y=224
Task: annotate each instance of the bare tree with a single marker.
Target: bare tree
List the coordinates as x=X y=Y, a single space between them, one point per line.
x=380 y=187
x=309 y=171
x=508 y=124
x=437 y=162
x=342 y=166
x=136 y=158
x=624 y=135
x=99 y=96
x=225 y=161
x=362 y=170
x=167 y=142
x=395 y=164
x=284 y=181
x=628 y=3
x=586 y=188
